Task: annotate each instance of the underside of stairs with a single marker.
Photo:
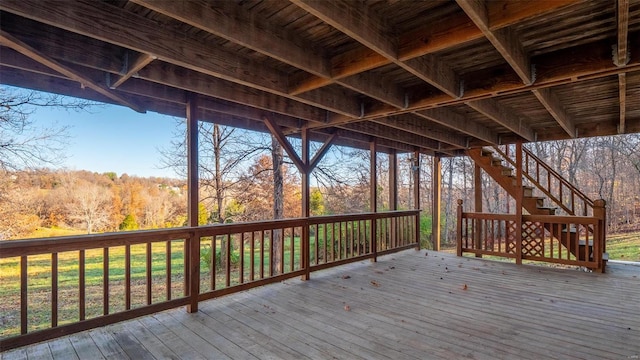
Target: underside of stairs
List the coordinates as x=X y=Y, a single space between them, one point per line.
x=501 y=168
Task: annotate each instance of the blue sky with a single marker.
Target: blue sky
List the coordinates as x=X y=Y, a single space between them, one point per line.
x=113 y=138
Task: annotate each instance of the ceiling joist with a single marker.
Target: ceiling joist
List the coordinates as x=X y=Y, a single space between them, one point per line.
x=504 y=40
x=503 y=116
x=555 y=108
x=9 y=40
x=140 y=62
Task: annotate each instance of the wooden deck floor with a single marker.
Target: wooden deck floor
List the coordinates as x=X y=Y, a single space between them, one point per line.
x=406 y=306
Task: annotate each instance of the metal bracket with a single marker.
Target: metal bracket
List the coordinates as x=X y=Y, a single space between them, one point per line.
x=533 y=73
x=107 y=80
x=614 y=55
x=361 y=110
x=461 y=91
x=125 y=64
x=406 y=100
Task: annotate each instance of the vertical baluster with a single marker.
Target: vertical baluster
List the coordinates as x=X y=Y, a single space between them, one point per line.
x=105 y=281
x=54 y=289
x=81 y=283
x=271 y=262
x=252 y=248
x=358 y=238
x=262 y=254
x=228 y=267
x=23 y=295
x=282 y=268
x=241 y=275
x=148 y=273
x=168 y=266
x=214 y=255
x=127 y=277
x=291 y=253
x=317 y=243
x=325 y=237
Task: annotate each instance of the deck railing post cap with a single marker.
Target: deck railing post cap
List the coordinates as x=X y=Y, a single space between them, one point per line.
x=599 y=203
x=459 y=202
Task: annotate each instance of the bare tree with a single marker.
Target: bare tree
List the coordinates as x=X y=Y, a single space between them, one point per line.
x=88 y=204
x=25 y=144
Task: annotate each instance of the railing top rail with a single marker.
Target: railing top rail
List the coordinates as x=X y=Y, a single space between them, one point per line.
x=559 y=177
x=555 y=174
x=489 y=216
x=557 y=219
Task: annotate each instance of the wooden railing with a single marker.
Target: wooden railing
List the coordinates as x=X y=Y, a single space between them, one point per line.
x=549 y=238
x=77 y=283
x=551 y=183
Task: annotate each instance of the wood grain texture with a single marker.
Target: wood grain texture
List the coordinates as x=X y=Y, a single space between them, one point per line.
x=419 y=308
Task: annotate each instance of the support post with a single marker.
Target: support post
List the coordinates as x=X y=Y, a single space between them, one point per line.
x=435 y=223
x=192 y=245
x=373 y=199
x=459 y=229
x=477 y=192
x=306 y=211
x=416 y=195
x=393 y=194
x=519 y=197
x=600 y=212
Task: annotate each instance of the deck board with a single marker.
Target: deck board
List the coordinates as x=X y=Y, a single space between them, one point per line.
x=405 y=306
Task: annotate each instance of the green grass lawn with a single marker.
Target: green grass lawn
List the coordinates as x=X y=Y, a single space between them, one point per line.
x=624 y=246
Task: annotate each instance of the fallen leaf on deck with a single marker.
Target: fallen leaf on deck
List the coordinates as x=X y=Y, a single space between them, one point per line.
x=392 y=267
x=347 y=308
x=375 y=283
x=379 y=272
x=426 y=254
x=346 y=277
x=464 y=287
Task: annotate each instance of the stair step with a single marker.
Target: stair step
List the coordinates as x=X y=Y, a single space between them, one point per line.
x=527 y=191
x=486 y=152
x=583 y=242
x=496 y=162
x=552 y=210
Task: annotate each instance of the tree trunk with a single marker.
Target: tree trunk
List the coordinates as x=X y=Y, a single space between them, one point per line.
x=278 y=202
x=217 y=140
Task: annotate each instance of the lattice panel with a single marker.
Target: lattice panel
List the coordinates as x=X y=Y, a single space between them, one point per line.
x=532 y=239
x=511 y=237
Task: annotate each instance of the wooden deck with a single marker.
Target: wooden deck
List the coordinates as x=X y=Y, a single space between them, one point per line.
x=406 y=306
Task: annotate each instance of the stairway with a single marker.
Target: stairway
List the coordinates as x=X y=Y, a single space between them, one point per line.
x=494 y=165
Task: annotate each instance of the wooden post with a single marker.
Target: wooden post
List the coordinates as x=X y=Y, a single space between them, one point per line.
x=459 y=229
x=600 y=212
x=393 y=194
x=435 y=222
x=192 y=245
x=306 y=211
x=477 y=192
x=416 y=194
x=519 y=197
x=373 y=199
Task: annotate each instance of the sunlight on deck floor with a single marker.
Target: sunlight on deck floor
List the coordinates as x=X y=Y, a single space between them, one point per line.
x=406 y=306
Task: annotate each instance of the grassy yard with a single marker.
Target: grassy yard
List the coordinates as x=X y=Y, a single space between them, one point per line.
x=624 y=246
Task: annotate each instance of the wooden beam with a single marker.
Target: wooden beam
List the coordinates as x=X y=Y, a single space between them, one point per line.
x=381 y=131
x=9 y=40
x=504 y=40
x=146 y=36
x=393 y=181
x=436 y=211
x=622 y=19
x=322 y=151
x=175 y=76
x=377 y=87
x=555 y=108
x=622 y=85
x=286 y=145
x=458 y=122
x=439 y=35
x=227 y=20
x=356 y=21
x=420 y=127
x=140 y=62
x=504 y=116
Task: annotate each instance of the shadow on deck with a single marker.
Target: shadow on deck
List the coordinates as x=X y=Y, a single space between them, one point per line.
x=405 y=306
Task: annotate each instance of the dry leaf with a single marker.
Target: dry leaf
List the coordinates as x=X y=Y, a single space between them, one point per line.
x=347 y=308
x=464 y=287
x=375 y=283
x=346 y=277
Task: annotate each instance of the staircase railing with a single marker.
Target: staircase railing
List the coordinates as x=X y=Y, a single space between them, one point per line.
x=549 y=238
x=556 y=187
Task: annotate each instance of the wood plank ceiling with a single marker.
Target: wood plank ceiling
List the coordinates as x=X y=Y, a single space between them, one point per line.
x=433 y=76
